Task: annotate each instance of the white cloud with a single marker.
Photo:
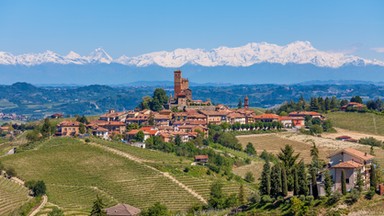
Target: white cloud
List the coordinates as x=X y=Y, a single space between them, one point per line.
x=378 y=49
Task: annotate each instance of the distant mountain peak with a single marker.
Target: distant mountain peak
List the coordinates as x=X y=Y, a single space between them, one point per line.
x=297 y=52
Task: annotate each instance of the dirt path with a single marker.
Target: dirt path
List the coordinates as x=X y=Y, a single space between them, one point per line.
x=141 y=161
x=41 y=206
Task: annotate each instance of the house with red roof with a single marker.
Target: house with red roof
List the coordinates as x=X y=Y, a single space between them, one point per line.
x=148 y=132
x=68 y=128
x=351 y=161
x=306 y=113
x=353 y=106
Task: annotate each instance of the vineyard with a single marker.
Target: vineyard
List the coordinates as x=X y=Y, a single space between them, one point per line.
x=12 y=196
x=75 y=173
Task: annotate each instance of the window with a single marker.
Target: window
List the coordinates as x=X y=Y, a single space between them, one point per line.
x=347 y=180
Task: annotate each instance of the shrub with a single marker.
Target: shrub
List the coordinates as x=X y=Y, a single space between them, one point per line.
x=266 y=199
x=11 y=172
x=370 y=194
x=186 y=169
x=352 y=197
x=309 y=198
x=87 y=140
x=38 y=188
x=371 y=141
x=334 y=198
x=249 y=177
x=255 y=197
x=302 y=198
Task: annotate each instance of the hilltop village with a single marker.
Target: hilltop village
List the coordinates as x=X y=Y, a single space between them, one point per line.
x=198 y=148
x=182 y=116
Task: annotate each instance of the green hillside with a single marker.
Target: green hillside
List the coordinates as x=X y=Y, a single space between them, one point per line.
x=75 y=172
x=12 y=196
x=362 y=122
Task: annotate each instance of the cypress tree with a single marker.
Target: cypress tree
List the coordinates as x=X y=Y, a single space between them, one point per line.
x=343 y=183
x=295 y=182
x=265 y=184
x=284 y=183
x=303 y=181
x=315 y=192
x=275 y=181
x=328 y=183
x=359 y=181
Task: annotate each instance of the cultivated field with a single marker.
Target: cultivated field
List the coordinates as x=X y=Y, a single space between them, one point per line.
x=361 y=122
x=75 y=173
x=12 y=196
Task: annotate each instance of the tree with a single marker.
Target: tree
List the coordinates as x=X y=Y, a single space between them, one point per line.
x=11 y=172
x=145 y=102
x=328 y=183
x=359 y=181
x=139 y=136
x=314 y=152
x=343 y=183
x=1 y=167
x=82 y=128
x=276 y=188
x=157 y=209
x=97 y=208
x=46 y=129
x=178 y=140
x=302 y=178
x=241 y=196
x=56 y=212
x=356 y=99
x=265 y=183
x=249 y=177
x=217 y=198
x=33 y=135
x=316 y=129
x=372 y=151
x=284 y=182
x=38 y=188
x=314 y=183
x=288 y=159
x=240 y=104
x=295 y=182
x=373 y=179
x=250 y=150
x=82 y=119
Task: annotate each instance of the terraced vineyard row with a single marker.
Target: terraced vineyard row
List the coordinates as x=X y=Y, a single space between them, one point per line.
x=12 y=196
x=202 y=186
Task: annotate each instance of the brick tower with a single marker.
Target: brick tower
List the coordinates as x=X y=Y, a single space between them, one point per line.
x=246 y=102
x=177 y=82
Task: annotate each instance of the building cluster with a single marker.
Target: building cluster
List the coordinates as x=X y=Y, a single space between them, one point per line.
x=12 y=116
x=193 y=120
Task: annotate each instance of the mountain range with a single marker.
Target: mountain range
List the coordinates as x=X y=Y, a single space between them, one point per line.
x=252 y=63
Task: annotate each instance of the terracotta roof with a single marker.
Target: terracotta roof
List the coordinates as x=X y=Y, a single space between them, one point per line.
x=123 y=210
x=158 y=116
x=101 y=129
x=267 y=116
x=213 y=113
x=69 y=124
x=282 y=118
x=236 y=115
x=146 y=130
x=304 y=113
x=348 y=165
x=356 y=153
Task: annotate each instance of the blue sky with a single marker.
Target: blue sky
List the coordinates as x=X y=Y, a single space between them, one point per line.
x=138 y=27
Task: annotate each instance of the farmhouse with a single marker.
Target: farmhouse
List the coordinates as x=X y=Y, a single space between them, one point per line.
x=68 y=128
x=100 y=132
x=353 y=106
x=306 y=113
x=351 y=161
x=201 y=159
x=148 y=132
x=112 y=115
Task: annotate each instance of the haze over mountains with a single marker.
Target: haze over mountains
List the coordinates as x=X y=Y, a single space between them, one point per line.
x=252 y=63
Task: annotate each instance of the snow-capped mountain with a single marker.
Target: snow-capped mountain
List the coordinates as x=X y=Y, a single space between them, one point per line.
x=300 y=52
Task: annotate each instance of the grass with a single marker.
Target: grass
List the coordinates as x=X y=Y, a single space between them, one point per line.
x=362 y=122
x=12 y=196
x=75 y=173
